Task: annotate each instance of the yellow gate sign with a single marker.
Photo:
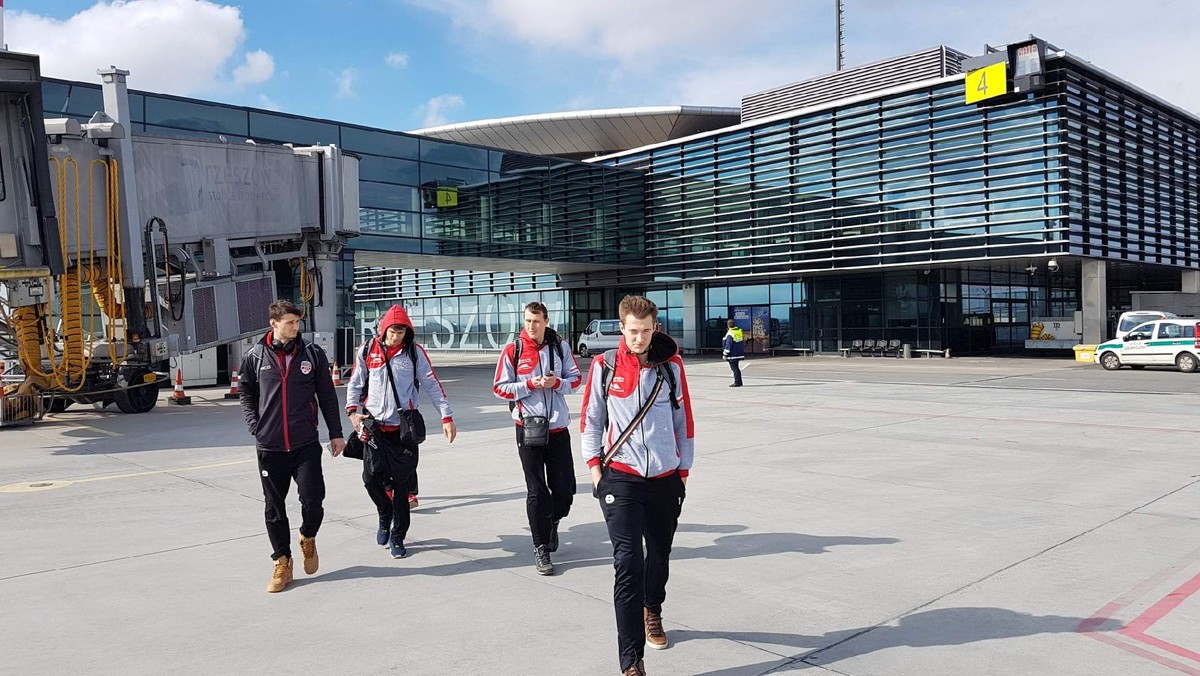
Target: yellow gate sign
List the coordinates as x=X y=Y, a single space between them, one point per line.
x=447 y=196
x=987 y=82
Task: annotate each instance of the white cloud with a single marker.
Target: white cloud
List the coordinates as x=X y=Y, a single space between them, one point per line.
x=669 y=47
x=634 y=32
x=267 y=102
x=434 y=111
x=258 y=68
x=174 y=46
x=396 y=59
x=345 y=83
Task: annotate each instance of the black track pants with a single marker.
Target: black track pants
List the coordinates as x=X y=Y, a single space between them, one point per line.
x=636 y=510
x=549 y=482
x=395 y=467
x=277 y=471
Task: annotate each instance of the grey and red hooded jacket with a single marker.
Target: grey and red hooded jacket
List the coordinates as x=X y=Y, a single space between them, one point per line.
x=664 y=443
x=280 y=390
x=369 y=373
x=512 y=379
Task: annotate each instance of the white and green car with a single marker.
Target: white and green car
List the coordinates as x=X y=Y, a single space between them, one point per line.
x=1164 y=342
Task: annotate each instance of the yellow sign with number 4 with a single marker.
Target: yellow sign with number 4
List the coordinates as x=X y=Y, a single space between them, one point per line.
x=987 y=82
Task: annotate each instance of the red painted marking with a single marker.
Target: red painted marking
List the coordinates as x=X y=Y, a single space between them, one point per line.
x=1142 y=652
x=1138 y=627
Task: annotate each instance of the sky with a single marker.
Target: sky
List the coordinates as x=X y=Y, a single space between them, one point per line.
x=411 y=64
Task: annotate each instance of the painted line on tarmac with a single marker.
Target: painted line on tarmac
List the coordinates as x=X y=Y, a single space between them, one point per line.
x=36 y=486
x=1136 y=629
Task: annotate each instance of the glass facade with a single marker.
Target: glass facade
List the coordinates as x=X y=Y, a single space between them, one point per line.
x=909 y=215
x=955 y=198
x=911 y=178
x=476 y=322
x=1131 y=171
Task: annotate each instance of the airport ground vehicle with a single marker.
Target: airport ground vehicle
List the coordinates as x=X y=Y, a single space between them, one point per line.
x=1128 y=320
x=1163 y=342
x=600 y=335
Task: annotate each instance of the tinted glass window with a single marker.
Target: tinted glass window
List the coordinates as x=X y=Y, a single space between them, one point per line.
x=450 y=153
x=195 y=116
x=609 y=328
x=386 y=169
x=592 y=327
x=283 y=129
x=379 y=143
x=60 y=98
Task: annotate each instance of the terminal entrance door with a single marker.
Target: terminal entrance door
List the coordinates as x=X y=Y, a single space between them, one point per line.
x=828 y=327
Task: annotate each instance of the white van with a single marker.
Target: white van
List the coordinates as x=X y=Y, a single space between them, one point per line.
x=600 y=335
x=1156 y=343
x=1128 y=320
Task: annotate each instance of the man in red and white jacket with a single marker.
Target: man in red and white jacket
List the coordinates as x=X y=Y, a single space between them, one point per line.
x=642 y=489
x=536 y=383
x=394 y=349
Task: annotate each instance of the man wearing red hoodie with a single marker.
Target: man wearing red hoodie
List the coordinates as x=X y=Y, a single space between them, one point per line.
x=534 y=375
x=392 y=369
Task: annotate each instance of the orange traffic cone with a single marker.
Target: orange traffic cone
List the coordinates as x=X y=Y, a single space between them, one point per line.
x=233 y=386
x=337 y=375
x=178 y=397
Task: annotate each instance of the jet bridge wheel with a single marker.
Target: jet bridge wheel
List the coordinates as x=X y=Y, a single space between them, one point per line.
x=138 y=392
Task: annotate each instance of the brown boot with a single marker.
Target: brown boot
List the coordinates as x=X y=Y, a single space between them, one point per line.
x=308 y=548
x=638 y=669
x=656 y=638
x=282 y=576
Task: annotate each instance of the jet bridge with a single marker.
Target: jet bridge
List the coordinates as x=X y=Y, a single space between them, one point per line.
x=120 y=251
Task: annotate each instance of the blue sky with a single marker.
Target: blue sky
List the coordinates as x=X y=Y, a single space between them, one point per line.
x=408 y=64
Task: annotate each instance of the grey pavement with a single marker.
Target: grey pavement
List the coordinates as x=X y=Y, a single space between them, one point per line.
x=849 y=516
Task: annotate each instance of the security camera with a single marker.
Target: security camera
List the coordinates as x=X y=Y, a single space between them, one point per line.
x=1032 y=270
x=1052 y=265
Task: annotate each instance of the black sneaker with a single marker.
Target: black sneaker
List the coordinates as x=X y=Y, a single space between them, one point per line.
x=553 y=546
x=398 y=550
x=541 y=561
x=384 y=534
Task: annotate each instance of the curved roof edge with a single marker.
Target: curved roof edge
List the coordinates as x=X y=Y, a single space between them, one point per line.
x=587 y=133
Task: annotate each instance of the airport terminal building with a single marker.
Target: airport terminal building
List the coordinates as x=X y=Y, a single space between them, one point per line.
x=938 y=199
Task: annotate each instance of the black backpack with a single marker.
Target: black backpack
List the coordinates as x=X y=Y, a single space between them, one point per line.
x=610 y=368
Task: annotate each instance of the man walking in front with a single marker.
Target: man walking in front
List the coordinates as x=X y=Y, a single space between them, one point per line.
x=733 y=350
x=535 y=373
x=638 y=441
x=283 y=380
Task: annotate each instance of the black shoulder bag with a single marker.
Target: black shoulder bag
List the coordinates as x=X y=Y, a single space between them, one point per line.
x=535 y=429
x=412 y=423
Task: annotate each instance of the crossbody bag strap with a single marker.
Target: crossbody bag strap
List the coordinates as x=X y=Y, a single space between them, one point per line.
x=392 y=380
x=633 y=424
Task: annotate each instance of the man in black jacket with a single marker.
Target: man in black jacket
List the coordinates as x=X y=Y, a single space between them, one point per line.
x=281 y=376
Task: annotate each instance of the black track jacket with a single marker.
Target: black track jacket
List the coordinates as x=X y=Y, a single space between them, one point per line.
x=280 y=399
